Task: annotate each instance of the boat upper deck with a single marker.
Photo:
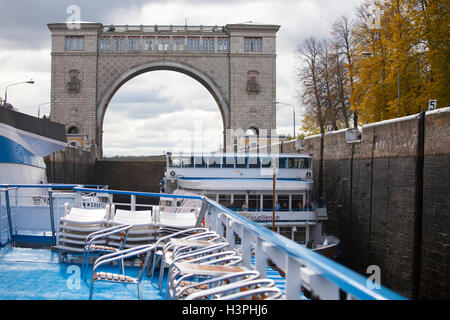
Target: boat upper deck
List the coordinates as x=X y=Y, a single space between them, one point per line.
x=37 y=274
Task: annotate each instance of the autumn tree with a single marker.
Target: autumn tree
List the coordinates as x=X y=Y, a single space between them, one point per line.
x=388 y=62
x=397 y=70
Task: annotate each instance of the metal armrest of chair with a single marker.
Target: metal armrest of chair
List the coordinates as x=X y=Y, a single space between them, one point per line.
x=272 y=293
x=244 y=276
x=101 y=234
x=238 y=285
x=120 y=255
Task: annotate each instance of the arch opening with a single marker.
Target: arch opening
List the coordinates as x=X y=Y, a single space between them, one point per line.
x=180 y=68
x=159 y=111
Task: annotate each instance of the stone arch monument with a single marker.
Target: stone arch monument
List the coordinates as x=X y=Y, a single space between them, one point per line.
x=236 y=63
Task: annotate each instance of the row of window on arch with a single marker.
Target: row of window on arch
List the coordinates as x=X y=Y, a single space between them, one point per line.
x=237 y=162
x=260 y=201
x=207 y=44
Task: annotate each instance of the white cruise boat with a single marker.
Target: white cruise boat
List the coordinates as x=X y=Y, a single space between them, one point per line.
x=24 y=141
x=246 y=183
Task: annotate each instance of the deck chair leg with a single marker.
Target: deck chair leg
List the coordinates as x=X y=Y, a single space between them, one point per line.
x=91 y=289
x=161 y=274
x=153 y=266
x=139 y=291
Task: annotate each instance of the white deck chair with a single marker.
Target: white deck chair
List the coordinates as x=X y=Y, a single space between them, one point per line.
x=231 y=288
x=266 y=293
x=177 y=220
x=77 y=224
x=162 y=241
x=143 y=230
x=213 y=261
x=173 y=254
x=183 y=288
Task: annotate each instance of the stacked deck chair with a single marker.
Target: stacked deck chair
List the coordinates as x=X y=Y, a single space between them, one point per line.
x=77 y=224
x=143 y=231
x=181 y=217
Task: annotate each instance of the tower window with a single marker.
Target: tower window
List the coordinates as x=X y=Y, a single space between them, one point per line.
x=74 y=43
x=253 y=44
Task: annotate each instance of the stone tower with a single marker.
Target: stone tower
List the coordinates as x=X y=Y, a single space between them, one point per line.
x=90 y=62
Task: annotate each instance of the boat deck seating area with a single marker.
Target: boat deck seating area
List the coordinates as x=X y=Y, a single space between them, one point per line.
x=146 y=226
x=207 y=264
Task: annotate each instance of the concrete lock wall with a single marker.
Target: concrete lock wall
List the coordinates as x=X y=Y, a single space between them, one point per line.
x=387 y=207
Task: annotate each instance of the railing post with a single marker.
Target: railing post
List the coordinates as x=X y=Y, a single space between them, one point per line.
x=8 y=212
x=52 y=218
x=260 y=258
x=230 y=234
x=293 y=281
x=133 y=202
x=201 y=214
x=246 y=248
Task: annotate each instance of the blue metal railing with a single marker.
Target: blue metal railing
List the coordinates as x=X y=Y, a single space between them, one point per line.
x=290 y=255
x=347 y=280
x=5 y=188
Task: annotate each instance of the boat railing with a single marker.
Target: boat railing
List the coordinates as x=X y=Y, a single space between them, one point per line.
x=29 y=212
x=304 y=270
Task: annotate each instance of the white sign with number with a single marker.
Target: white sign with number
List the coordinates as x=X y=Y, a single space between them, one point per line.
x=432 y=105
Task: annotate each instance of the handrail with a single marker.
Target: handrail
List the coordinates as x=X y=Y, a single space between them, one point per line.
x=53 y=186
x=345 y=278
x=138 y=193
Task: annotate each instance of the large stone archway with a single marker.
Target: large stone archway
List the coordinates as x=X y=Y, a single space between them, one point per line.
x=235 y=63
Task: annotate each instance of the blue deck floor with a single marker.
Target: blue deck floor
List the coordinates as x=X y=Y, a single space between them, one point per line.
x=36 y=274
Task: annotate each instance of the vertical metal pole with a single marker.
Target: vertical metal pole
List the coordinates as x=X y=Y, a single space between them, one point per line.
x=52 y=222
x=273 y=201
x=418 y=208
x=8 y=212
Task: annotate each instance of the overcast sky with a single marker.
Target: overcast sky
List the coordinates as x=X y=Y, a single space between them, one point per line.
x=157 y=111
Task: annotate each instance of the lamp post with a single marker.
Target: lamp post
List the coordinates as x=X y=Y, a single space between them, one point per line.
x=274 y=171
x=293 y=109
x=39 y=107
x=31 y=81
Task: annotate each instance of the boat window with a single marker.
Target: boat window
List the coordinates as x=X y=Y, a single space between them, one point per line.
x=296 y=200
x=283 y=199
x=254 y=201
x=253 y=162
x=238 y=201
x=225 y=200
x=293 y=162
x=187 y=162
x=200 y=162
x=282 y=163
x=267 y=201
x=213 y=162
x=228 y=162
x=241 y=162
x=211 y=196
x=305 y=163
x=266 y=162
x=175 y=162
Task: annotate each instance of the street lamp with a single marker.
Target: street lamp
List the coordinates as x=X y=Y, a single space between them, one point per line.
x=31 y=81
x=293 y=109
